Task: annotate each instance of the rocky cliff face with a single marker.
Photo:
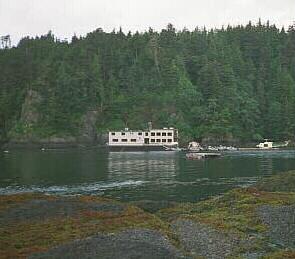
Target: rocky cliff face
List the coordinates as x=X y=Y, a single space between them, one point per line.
x=88 y=129
x=29 y=113
x=25 y=134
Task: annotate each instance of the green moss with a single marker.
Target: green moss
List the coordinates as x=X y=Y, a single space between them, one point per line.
x=234 y=211
x=7 y=201
x=286 y=254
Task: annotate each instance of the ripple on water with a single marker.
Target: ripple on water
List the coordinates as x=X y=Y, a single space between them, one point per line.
x=92 y=188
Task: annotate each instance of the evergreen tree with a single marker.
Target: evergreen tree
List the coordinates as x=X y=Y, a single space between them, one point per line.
x=236 y=82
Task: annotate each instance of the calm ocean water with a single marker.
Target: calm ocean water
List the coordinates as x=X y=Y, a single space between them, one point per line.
x=135 y=175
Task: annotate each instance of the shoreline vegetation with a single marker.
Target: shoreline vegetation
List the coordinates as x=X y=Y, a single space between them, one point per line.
x=252 y=222
x=75 y=144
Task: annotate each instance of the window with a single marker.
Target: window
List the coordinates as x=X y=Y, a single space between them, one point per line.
x=153 y=134
x=113 y=133
x=163 y=140
x=122 y=133
x=169 y=133
x=133 y=140
x=158 y=140
x=152 y=140
x=158 y=133
x=115 y=140
x=169 y=140
x=124 y=140
x=139 y=133
x=163 y=133
x=146 y=133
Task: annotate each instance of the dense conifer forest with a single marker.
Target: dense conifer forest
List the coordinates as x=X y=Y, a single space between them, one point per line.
x=231 y=83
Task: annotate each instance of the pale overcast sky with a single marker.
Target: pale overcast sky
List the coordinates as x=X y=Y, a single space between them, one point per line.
x=20 y=18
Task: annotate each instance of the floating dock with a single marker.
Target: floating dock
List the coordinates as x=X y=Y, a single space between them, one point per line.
x=258 y=149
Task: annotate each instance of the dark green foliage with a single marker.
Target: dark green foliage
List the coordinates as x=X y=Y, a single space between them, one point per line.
x=234 y=83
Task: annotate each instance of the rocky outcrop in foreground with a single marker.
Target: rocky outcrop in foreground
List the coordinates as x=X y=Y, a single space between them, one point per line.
x=243 y=223
x=130 y=243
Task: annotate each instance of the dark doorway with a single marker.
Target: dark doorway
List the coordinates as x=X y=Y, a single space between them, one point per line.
x=146 y=141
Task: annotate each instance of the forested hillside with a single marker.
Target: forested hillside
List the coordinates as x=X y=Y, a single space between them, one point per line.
x=233 y=83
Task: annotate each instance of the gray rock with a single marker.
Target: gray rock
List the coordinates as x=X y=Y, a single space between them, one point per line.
x=132 y=243
x=281 y=223
x=202 y=240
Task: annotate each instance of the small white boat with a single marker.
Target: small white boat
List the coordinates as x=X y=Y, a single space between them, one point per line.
x=270 y=144
x=212 y=148
x=265 y=145
x=194 y=147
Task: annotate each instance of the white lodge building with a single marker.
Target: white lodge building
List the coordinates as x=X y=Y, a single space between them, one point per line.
x=152 y=139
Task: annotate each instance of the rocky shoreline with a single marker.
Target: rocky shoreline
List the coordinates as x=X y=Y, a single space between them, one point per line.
x=54 y=142
x=253 y=222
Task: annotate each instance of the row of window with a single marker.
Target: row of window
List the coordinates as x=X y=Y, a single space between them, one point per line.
x=152 y=140
x=159 y=140
x=163 y=134
x=146 y=134
x=123 y=133
x=123 y=140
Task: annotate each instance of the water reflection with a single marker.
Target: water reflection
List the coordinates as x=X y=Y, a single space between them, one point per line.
x=265 y=165
x=144 y=165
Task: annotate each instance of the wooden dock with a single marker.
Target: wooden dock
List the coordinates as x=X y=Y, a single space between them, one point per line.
x=257 y=149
